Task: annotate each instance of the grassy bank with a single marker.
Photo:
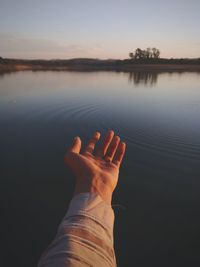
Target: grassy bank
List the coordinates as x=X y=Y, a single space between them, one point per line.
x=169 y=65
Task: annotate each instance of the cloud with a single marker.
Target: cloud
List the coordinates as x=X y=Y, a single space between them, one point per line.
x=22 y=46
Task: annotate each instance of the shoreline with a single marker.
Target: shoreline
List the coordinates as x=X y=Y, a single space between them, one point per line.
x=123 y=68
x=91 y=64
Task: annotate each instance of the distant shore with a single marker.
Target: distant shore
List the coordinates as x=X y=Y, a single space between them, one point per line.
x=127 y=65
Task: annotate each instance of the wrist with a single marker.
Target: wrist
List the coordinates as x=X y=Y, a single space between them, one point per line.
x=104 y=192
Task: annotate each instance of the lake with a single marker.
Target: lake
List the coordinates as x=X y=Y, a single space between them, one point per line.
x=157 y=201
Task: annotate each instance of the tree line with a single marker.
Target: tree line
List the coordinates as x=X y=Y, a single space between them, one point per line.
x=145 y=54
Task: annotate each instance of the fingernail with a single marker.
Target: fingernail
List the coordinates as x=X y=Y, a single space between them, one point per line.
x=97 y=134
x=111 y=132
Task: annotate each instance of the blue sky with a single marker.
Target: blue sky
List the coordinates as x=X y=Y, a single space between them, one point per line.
x=98 y=28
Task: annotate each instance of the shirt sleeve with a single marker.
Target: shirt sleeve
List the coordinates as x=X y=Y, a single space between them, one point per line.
x=84 y=237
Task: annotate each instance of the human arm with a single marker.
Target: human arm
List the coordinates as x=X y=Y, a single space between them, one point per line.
x=85 y=236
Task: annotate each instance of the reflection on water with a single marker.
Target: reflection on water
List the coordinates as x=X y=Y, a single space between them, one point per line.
x=40 y=112
x=147 y=78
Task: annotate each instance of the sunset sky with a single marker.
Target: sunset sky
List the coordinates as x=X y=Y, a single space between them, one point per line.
x=98 y=28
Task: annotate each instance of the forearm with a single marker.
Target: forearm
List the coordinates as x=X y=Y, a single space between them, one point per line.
x=84 y=237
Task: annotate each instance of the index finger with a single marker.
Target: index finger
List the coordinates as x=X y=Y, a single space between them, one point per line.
x=91 y=144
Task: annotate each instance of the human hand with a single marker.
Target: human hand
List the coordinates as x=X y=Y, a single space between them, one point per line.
x=96 y=171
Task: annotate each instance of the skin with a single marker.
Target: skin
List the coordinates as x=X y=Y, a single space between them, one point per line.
x=96 y=167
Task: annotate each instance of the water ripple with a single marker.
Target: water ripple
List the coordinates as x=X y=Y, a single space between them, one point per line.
x=139 y=135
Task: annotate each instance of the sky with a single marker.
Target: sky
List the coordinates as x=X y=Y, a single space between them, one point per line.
x=98 y=28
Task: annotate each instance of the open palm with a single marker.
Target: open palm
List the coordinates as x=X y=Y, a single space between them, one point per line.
x=96 y=170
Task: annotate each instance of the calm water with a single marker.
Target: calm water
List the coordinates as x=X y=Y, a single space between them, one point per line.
x=157 y=115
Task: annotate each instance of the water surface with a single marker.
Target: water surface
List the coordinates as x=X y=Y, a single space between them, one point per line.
x=157 y=199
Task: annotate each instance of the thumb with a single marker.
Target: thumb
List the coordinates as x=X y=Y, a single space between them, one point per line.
x=70 y=157
x=76 y=145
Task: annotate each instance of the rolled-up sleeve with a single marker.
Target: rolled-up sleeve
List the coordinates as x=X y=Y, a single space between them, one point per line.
x=84 y=237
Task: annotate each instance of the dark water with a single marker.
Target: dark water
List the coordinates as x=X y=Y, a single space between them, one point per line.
x=157 y=115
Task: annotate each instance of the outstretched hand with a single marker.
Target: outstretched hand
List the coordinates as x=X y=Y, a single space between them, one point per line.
x=96 y=169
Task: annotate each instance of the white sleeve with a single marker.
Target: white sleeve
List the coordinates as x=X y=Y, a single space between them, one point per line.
x=84 y=237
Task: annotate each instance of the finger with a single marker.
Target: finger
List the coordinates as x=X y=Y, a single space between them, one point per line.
x=119 y=154
x=76 y=145
x=112 y=149
x=101 y=151
x=91 y=144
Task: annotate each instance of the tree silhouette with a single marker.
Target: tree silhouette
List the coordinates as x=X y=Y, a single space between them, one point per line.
x=138 y=53
x=149 y=53
x=156 y=52
x=131 y=55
